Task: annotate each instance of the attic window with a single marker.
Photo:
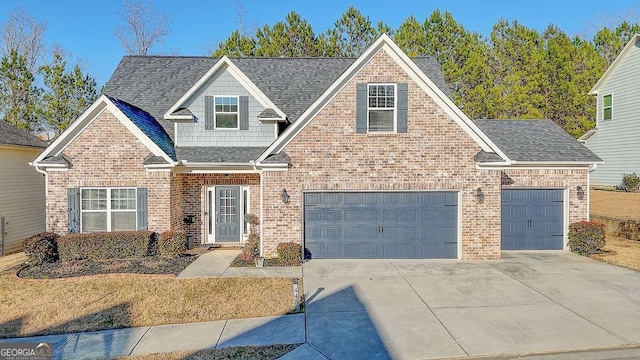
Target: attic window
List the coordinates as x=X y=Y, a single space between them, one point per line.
x=226 y=112
x=382 y=107
x=607 y=107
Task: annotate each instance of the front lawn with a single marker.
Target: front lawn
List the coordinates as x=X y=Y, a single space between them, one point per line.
x=39 y=307
x=615 y=204
x=620 y=252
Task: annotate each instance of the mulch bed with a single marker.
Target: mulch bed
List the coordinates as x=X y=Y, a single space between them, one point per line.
x=138 y=265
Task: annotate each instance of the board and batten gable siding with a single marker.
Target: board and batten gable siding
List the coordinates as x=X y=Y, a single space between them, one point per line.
x=616 y=140
x=22 y=198
x=193 y=133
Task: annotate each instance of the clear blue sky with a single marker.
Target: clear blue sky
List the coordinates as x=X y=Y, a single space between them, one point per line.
x=85 y=27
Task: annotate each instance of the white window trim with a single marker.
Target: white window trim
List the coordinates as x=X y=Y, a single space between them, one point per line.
x=215 y=113
x=245 y=190
x=607 y=107
x=395 y=108
x=108 y=210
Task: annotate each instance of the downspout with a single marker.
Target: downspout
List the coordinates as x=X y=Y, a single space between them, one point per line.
x=591 y=168
x=253 y=163
x=46 y=195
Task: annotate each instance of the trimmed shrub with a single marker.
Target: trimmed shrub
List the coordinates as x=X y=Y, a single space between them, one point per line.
x=630 y=183
x=289 y=254
x=41 y=248
x=251 y=249
x=172 y=243
x=586 y=237
x=104 y=245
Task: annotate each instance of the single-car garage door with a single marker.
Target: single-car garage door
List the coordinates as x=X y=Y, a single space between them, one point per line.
x=377 y=225
x=532 y=219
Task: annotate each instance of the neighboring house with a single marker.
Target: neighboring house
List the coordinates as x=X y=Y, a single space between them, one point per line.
x=364 y=157
x=615 y=137
x=22 y=194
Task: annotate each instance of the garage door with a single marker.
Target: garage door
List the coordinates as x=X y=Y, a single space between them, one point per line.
x=532 y=219
x=377 y=225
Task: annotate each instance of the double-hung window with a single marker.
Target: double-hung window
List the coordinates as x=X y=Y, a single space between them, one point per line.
x=108 y=209
x=226 y=112
x=607 y=107
x=381 y=107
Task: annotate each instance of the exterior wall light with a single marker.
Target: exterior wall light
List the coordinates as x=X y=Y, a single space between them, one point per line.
x=284 y=196
x=580 y=191
x=480 y=195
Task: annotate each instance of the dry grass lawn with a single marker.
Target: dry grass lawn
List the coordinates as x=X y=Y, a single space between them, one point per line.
x=36 y=307
x=621 y=252
x=12 y=261
x=615 y=204
x=237 y=353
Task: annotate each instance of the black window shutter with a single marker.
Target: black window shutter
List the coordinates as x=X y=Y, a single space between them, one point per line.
x=208 y=113
x=73 y=206
x=142 y=209
x=244 y=113
x=361 y=108
x=403 y=107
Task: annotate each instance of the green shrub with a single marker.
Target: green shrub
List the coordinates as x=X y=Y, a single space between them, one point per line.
x=41 y=248
x=586 y=237
x=289 y=254
x=104 y=245
x=630 y=183
x=172 y=243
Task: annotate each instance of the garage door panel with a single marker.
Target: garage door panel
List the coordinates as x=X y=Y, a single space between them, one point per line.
x=532 y=219
x=382 y=225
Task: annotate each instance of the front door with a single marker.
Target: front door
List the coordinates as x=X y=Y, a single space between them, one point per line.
x=224 y=214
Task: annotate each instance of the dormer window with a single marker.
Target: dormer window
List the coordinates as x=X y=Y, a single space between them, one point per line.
x=382 y=107
x=226 y=112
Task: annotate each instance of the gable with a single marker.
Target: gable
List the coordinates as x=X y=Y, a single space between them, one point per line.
x=196 y=132
x=142 y=123
x=331 y=141
x=384 y=43
x=631 y=47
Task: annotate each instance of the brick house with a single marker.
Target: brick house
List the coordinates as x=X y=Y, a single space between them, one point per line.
x=353 y=158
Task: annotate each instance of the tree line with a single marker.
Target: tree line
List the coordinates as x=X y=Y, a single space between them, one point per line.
x=515 y=72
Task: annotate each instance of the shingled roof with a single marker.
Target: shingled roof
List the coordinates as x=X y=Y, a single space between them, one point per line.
x=11 y=135
x=155 y=83
x=534 y=141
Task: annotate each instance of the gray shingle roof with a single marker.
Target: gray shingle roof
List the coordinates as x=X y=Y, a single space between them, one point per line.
x=154 y=160
x=268 y=114
x=431 y=67
x=59 y=159
x=11 y=135
x=535 y=140
x=155 y=83
x=215 y=154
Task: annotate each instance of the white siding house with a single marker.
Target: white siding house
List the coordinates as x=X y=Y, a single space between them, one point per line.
x=615 y=138
x=22 y=193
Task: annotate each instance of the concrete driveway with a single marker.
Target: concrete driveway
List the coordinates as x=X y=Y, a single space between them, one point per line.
x=528 y=302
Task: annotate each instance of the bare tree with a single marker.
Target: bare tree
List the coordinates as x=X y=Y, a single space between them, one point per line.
x=143 y=27
x=24 y=34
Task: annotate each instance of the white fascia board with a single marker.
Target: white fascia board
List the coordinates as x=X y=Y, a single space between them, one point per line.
x=68 y=135
x=634 y=39
x=384 y=42
x=223 y=63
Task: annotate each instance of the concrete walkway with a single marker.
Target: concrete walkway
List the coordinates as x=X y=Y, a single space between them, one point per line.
x=217 y=263
x=107 y=344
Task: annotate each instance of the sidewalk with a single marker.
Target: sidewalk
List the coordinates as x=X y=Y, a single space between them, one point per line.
x=288 y=329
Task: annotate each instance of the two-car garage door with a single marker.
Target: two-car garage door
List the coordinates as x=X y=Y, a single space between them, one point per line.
x=376 y=225
x=398 y=225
